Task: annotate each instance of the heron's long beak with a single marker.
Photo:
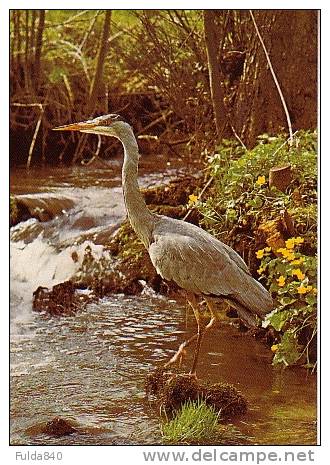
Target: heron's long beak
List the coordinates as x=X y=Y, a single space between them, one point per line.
x=76 y=126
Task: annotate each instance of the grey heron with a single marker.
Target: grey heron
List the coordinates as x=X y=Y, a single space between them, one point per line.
x=182 y=252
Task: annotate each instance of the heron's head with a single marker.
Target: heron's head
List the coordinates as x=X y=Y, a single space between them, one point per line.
x=106 y=125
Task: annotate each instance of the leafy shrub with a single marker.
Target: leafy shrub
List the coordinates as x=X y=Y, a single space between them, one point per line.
x=241 y=191
x=292 y=279
x=242 y=201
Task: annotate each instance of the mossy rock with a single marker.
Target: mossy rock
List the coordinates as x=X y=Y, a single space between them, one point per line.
x=23 y=208
x=172 y=390
x=224 y=398
x=62 y=299
x=177 y=390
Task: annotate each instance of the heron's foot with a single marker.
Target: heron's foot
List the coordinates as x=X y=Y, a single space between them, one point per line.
x=178 y=356
x=193 y=374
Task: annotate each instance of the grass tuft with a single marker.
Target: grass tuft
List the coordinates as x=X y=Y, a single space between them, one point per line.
x=195 y=422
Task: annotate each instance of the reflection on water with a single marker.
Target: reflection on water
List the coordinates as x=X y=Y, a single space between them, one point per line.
x=91 y=369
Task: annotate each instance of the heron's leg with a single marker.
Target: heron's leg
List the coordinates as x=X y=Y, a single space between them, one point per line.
x=211 y=307
x=180 y=352
x=201 y=331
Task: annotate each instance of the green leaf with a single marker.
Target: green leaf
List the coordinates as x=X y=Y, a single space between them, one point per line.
x=277 y=318
x=311 y=299
x=287 y=300
x=256 y=202
x=288 y=350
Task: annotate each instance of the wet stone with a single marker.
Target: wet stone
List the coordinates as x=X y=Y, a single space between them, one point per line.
x=58 y=427
x=62 y=299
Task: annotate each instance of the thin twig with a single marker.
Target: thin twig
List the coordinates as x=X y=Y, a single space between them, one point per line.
x=285 y=142
x=72 y=18
x=42 y=109
x=199 y=197
x=82 y=43
x=275 y=80
x=156 y=121
x=39 y=105
x=237 y=137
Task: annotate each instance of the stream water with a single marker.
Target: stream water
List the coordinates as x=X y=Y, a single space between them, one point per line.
x=90 y=368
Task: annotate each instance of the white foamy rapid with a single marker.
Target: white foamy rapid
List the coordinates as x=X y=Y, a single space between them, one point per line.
x=46 y=254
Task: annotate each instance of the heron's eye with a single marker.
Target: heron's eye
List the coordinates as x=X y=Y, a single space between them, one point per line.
x=108 y=120
x=115 y=117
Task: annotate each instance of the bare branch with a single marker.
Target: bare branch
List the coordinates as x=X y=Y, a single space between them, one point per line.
x=275 y=79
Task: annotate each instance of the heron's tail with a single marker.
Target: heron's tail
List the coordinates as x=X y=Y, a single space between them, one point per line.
x=256 y=302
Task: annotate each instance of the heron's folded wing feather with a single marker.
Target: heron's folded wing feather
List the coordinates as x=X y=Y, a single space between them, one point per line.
x=198 y=266
x=195 y=266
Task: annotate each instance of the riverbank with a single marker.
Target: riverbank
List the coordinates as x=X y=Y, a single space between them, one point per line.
x=103 y=354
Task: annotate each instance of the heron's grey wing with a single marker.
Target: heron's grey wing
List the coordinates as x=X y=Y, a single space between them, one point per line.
x=193 y=265
x=197 y=266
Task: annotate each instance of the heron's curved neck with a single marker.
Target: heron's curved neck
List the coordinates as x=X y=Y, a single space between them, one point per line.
x=141 y=219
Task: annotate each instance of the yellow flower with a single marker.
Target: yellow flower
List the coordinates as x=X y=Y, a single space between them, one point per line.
x=281 y=281
x=261 y=180
x=299 y=261
x=282 y=251
x=314 y=290
x=193 y=199
x=260 y=253
x=290 y=243
x=299 y=240
x=260 y=270
x=274 y=347
x=303 y=290
x=297 y=272
x=286 y=253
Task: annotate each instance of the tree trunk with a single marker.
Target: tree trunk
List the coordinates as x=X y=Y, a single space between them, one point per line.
x=27 y=51
x=217 y=94
x=17 y=34
x=290 y=38
x=33 y=32
x=96 y=85
x=102 y=54
x=37 y=56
